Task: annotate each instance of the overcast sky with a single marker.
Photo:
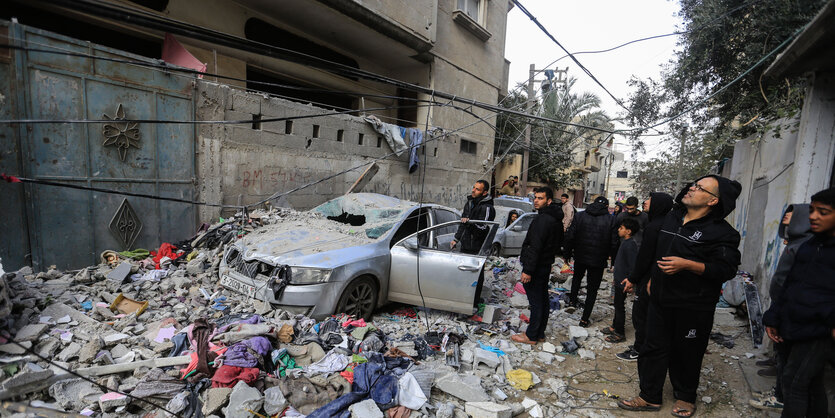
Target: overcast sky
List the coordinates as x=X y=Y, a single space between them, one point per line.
x=588 y=26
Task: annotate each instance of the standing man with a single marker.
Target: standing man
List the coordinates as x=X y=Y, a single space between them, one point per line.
x=567 y=212
x=539 y=250
x=696 y=251
x=657 y=207
x=630 y=210
x=590 y=239
x=479 y=206
x=508 y=187
x=802 y=317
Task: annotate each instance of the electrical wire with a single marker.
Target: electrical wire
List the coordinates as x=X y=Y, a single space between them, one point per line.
x=31 y=350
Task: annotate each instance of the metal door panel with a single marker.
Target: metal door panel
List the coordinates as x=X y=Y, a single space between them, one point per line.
x=50 y=42
x=106 y=204
x=175 y=139
x=63 y=219
x=54 y=86
x=56 y=150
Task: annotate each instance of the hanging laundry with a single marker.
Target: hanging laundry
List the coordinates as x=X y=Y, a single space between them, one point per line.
x=390 y=132
x=415 y=141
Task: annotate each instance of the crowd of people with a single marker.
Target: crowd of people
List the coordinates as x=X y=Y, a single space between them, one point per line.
x=674 y=254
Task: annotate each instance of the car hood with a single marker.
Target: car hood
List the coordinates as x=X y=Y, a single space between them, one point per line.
x=309 y=245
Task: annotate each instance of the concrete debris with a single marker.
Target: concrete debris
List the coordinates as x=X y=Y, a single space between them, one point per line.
x=243 y=401
x=367 y=408
x=152 y=352
x=487 y=410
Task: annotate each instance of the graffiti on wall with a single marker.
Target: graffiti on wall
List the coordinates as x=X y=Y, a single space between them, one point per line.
x=269 y=180
x=453 y=196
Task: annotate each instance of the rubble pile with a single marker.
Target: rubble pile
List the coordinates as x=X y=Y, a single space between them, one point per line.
x=152 y=333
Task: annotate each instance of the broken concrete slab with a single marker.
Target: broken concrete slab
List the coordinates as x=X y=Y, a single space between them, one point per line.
x=119 y=368
x=112 y=400
x=274 y=401
x=70 y=352
x=89 y=350
x=488 y=358
x=586 y=354
x=74 y=394
x=367 y=408
x=549 y=348
x=242 y=400
x=578 y=333
x=487 y=410
x=455 y=386
x=120 y=273
x=30 y=373
x=59 y=310
x=13 y=348
x=30 y=332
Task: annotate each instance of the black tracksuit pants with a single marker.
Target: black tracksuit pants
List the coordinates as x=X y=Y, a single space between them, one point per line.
x=676 y=341
x=595 y=275
x=619 y=322
x=537 y=292
x=804 y=393
x=640 y=305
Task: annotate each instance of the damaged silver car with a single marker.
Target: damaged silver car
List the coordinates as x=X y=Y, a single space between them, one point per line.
x=355 y=253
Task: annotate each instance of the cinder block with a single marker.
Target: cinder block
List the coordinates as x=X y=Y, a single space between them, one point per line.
x=487 y=410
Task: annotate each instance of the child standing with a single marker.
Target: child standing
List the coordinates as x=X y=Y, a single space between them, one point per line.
x=802 y=317
x=624 y=262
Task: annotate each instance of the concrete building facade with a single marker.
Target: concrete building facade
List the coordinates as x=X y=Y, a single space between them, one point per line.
x=272 y=60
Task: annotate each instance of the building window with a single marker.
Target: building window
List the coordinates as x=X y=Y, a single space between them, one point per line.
x=472 y=15
x=622 y=174
x=474 y=9
x=468 y=147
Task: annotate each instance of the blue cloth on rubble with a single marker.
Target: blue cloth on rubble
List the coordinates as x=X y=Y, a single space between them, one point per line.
x=246 y=353
x=370 y=380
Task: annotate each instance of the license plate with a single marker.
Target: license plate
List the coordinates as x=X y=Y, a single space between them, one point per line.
x=237 y=285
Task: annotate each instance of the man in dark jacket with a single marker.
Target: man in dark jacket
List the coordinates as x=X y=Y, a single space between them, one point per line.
x=631 y=210
x=696 y=251
x=479 y=206
x=656 y=208
x=539 y=249
x=590 y=240
x=802 y=317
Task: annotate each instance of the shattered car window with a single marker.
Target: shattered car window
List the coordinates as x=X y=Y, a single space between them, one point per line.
x=374 y=216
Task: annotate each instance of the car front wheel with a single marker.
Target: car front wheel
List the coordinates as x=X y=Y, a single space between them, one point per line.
x=359 y=298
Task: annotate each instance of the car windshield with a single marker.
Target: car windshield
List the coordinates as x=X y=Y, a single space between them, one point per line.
x=373 y=214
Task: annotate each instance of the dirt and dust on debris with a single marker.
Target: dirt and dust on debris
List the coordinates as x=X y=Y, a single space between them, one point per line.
x=152 y=334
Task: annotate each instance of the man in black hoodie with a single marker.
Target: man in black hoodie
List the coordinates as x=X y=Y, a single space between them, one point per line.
x=802 y=317
x=696 y=251
x=479 y=206
x=656 y=207
x=590 y=239
x=540 y=247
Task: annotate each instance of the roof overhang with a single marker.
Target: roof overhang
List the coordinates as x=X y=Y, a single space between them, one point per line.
x=812 y=50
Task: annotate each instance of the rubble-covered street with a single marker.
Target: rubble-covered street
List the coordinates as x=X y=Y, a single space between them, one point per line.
x=140 y=335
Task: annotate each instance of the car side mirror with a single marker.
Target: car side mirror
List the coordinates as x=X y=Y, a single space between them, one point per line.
x=411 y=243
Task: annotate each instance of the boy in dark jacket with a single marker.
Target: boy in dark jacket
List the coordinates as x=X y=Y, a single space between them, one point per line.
x=590 y=240
x=795 y=230
x=627 y=253
x=802 y=317
x=539 y=249
x=657 y=207
x=697 y=251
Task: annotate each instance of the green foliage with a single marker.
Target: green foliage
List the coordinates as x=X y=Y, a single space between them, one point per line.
x=552 y=143
x=722 y=39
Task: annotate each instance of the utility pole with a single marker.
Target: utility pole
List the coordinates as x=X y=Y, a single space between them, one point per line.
x=680 y=164
x=523 y=186
x=560 y=78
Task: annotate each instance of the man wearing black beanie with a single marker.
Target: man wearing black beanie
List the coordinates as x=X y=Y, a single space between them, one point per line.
x=697 y=251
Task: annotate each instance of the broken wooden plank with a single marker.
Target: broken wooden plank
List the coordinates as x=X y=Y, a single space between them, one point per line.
x=364 y=178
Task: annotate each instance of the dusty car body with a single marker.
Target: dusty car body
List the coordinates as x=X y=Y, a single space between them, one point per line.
x=357 y=252
x=508 y=241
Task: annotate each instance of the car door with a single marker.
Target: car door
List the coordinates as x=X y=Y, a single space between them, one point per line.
x=436 y=276
x=444 y=236
x=515 y=234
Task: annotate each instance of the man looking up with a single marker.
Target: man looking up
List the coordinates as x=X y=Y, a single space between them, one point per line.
x=696 y=251
x=539 y=249
x=479 y=206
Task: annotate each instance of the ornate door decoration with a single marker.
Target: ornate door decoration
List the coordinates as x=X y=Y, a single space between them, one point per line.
x=125 y=224
x=119 y=134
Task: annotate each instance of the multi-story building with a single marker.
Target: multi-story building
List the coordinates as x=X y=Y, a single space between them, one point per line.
x=272 y=66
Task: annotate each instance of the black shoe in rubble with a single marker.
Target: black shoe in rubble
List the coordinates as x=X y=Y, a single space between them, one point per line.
x=628 y=355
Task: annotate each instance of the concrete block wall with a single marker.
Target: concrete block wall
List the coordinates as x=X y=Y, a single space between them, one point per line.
x=242 y=163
